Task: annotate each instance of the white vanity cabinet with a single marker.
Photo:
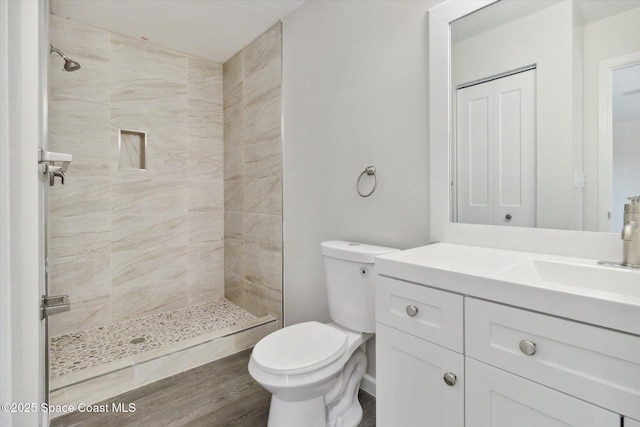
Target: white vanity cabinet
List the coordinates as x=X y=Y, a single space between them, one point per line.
x=513 y=367
x=498 y=398
x=410 y=387
x=420 y=366
x=597 y=365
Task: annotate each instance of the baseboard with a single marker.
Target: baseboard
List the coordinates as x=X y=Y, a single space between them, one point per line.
x=368 y=384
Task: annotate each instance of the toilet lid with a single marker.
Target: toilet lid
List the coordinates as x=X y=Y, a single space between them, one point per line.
x=299 y=348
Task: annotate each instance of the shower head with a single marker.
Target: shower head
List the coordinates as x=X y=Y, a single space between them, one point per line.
x=69 y=64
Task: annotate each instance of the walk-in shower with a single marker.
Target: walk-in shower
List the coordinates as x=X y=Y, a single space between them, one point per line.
x=165 y=269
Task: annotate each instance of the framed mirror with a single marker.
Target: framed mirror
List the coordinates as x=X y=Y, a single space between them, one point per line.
x=565 y=240
x=545 y=113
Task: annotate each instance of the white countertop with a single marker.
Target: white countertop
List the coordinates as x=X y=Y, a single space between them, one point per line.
x=576 y=288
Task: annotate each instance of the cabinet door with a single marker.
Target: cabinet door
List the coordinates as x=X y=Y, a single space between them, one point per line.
x=411 y=390
x=497 y=398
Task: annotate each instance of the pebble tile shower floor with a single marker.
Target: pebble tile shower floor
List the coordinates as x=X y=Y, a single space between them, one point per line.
x=73 y=352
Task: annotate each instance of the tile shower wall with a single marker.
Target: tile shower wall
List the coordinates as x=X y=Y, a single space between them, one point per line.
x=253 y=175
x=129 y=243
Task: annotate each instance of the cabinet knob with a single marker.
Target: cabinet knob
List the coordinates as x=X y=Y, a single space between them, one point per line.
x=528 y=347
x=450 y=379
x=412 y=310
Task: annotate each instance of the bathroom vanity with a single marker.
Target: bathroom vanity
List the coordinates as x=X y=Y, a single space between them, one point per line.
x=488 y=337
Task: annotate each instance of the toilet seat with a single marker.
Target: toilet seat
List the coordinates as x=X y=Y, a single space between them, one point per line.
x=299 y=348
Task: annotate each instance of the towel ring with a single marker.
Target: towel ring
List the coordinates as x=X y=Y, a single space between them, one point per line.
x=370 y=170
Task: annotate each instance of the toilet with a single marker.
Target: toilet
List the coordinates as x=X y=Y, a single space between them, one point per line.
x=312 y=369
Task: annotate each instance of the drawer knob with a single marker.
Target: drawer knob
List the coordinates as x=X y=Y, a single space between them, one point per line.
x=450 y=379
x=412 y=310
x=528 y=347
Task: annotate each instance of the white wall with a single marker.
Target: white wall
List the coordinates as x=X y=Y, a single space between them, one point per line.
x=354 y=95
x=518 y=44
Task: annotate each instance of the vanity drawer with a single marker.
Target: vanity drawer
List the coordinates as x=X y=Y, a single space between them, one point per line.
x=598 y=365
x=424 y=312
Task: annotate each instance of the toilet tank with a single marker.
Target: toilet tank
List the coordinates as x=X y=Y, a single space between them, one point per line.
x=350 y=279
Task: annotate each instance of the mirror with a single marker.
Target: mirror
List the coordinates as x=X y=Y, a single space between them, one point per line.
x=545 y=114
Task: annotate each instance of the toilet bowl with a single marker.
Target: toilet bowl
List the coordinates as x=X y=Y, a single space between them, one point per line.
x=309 y=367
x=313 y=370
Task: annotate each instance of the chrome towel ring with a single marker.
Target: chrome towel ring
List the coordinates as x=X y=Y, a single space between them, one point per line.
x=369 y=171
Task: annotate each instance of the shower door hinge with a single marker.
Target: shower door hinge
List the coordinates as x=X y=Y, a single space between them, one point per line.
x=54 y=304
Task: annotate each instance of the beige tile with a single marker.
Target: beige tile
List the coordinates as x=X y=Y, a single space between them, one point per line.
x=234 y=225
x=263 y=159
x=205 y=131
x=206 y=259
x=143 y=196
x=233 y=71
x=82 y=129
x=233 y=138
x=148 y=266
x=206 y=287
x=87 y=312
x=206 y=196
x=233 y=106
x=234 y=289
x=234 y=164
x=81 y=195
x=131 y=302
x=145 y=232
x=250 y=337
x=264 y=50
x=264 y=196
x=234 y=257
x=147 y=78
x=205 y=151
x=263 y=79
x=206 y=168
x=206 y=227
x=91 y=83
x=262 y=120
x=95 y=389
x=82 y=235
x=263 y=268
x=205 y=92
x=183 y=360
x=265 y=230
x=234 y=195
x=80 y=275
x=261 y=301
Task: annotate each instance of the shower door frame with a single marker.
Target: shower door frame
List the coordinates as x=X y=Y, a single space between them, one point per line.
x=22 y=370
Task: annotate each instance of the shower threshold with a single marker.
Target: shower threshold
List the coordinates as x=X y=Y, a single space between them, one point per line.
x=89 y=366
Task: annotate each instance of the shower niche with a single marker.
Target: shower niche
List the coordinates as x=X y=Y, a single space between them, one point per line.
x=132 y=149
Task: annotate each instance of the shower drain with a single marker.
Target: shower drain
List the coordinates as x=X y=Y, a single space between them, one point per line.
x=138 y=340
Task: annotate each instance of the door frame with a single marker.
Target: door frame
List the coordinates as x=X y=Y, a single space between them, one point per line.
x=605 y=134
x=21 y=330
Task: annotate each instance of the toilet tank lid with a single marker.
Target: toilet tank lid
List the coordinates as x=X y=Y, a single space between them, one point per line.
x=351 y=251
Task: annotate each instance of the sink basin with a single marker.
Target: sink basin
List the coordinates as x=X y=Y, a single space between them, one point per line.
x=550 y=273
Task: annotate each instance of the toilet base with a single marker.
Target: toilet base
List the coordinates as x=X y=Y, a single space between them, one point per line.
x=311 y=413
x=337 y=408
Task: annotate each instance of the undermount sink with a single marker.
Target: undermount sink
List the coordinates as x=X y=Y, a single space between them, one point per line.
x=550 y=273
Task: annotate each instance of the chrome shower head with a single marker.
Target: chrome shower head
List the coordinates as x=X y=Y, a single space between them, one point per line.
x=69 y=64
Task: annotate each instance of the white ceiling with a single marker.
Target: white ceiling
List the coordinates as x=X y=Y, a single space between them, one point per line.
x=210 y=29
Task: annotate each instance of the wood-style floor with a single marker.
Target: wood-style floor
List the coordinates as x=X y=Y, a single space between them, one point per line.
x=220 y=393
